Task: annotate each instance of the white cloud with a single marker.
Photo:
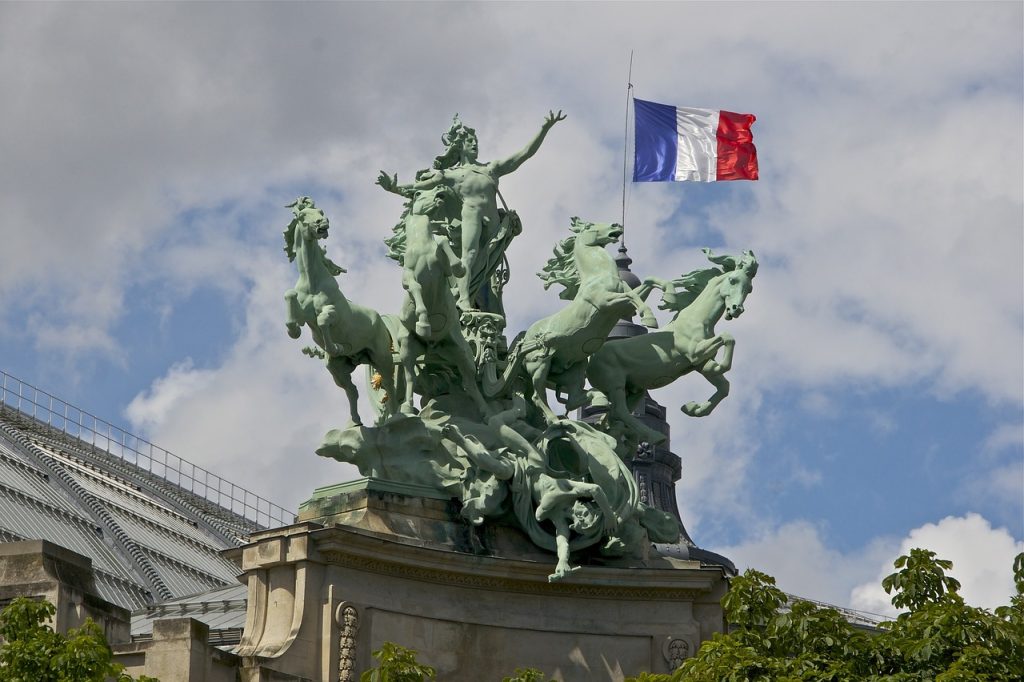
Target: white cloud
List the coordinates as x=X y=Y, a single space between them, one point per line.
x=181 y=383
x=982 y=559
x=1005 y=436
x=879 y=265
x=797 y=554
x=889 y=249
x=800 y=557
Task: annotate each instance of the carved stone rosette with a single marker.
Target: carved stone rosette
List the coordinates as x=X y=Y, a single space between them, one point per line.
x=676 y=651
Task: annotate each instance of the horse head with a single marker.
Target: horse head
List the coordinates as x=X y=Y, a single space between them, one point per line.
x=436 y=202
x=736 y=281
x=309 y=224
x=595 y=234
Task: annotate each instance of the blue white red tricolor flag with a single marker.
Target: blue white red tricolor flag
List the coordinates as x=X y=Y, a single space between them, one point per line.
x=684 y=143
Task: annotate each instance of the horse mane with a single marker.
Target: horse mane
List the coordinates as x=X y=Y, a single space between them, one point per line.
x=396 y=242
x=689 y=286
x=289 y=239
x=297 y=207
x=561 y=268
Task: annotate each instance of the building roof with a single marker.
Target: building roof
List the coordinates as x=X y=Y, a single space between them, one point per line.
x=222 y=609
x=153 y=524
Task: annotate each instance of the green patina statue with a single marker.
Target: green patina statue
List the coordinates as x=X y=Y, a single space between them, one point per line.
x=346 y=333
x=624 y=370
x=483 y=230
x=554 y=350
x=483 y=431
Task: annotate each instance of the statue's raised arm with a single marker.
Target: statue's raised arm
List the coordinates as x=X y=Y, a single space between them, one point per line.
x=424 y=180
x=483 y=230
x=506 y=166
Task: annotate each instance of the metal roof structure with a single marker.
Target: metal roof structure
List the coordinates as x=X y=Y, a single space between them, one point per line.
x=153 y=524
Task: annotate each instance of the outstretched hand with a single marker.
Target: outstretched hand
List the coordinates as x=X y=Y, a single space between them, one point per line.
x=388 y=182
x=552 y=118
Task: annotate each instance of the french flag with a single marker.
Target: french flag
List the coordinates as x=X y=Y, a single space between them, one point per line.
x=685 y=143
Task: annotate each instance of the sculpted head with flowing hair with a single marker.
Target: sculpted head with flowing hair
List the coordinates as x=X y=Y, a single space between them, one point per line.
x=459 y=138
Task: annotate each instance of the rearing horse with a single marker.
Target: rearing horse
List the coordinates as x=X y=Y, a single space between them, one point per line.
x=624 y=369
x=347 y=333
x=430 y=314
x=554 y=350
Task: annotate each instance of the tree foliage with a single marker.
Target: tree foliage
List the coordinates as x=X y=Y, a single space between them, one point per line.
x=938 y=638
x=397 y=664
x=31 y=651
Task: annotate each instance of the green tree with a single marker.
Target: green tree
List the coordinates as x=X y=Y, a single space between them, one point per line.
x=397 y=664
x=526 y=675
x=31 y=651
x=938 y=637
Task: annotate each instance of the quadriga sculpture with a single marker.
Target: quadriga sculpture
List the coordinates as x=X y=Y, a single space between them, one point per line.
x=484 y=433
x=554 y=350
x=625 y=369
x=347 y=334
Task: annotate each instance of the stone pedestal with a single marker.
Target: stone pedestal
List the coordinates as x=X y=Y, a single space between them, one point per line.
x=372 y=563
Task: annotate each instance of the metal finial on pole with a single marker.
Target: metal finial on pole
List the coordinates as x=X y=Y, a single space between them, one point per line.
x=625 y=145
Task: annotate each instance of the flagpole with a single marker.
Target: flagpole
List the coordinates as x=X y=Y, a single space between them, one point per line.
x=625 y=145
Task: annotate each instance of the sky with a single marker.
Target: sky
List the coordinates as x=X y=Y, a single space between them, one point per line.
x=147 y=152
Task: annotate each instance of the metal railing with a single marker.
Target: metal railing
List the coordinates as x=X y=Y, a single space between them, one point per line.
x=87 y=428
x=852 y=616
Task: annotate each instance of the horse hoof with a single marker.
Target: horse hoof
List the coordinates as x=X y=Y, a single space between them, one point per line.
x=423 y=329
x=649 y=321
x=294 y=330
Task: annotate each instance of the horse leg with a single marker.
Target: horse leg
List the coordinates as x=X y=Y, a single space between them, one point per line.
x=621 y=409
x=572 y=380
x=721 y=385
x=464 y=361
x=713 y=366
x=639 y=299
x=454 y=264
x=292 y=322
x=415 y=289
x=538 y=368
x=409 y=350
x=647 y=317
x=650 y=284
x=381 y=360
x=327 y=316
x=341 y=369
